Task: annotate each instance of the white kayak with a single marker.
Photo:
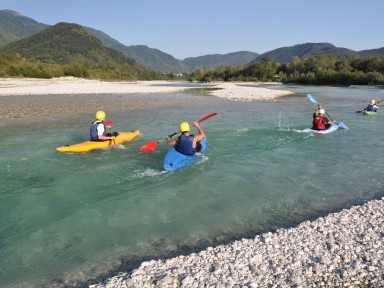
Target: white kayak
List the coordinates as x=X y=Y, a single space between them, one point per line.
x=333 y=128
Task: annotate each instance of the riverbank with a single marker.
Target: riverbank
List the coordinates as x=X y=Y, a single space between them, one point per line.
x=35 y=97
x=344 y=249
x=72 y=85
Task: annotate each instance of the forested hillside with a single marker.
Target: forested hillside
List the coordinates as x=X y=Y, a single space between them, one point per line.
x=321 y=70
x=241 y=58
x=70 y=49
x=14 y=26
x=284 y=54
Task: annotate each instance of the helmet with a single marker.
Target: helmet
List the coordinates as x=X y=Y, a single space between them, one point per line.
x=100 y=115
x=184 y=127
x=373 y=102
x=322 y=111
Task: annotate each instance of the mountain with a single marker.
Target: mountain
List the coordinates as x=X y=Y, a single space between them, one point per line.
x=235 y=59
x=66 y=43
x=372 y=52
x=156 y=58
x=153 y=58
x=14 y=26
x=284 y=54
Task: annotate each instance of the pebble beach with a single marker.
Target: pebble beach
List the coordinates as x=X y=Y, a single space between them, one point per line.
x=69 y=94
x=344 y=249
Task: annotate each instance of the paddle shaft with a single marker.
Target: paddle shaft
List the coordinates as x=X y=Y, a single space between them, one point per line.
x=310 y=97
x=170 y=136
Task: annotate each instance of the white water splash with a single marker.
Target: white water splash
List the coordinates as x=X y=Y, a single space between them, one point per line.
x=138 y=174
x=283 y=122
x=202 y=159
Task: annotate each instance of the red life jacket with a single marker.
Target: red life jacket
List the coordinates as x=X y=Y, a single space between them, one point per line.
x=317 y=123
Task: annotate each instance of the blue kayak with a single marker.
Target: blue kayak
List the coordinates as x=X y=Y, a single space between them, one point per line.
x=333 y=128
x=174 y=160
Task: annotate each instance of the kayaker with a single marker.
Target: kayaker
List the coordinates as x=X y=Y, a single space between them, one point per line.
x=372 y=106
x=320 y=122
x=98 y=131
x=187 y=143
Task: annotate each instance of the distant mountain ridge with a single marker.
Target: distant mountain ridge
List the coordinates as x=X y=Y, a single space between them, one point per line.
x=153 y=58
x=284 y=54
x=14 y=27
x=54 y=45
x=241 y=58
x=372 y=52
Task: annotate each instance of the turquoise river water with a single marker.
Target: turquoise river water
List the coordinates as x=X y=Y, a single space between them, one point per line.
x=75 y=219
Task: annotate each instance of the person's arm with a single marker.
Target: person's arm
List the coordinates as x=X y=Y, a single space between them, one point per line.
x=100 y=132
x=327 y=121
x=170 y=141
x=200 y=136
x=102 y=137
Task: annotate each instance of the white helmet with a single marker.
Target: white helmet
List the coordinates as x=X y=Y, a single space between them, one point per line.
x=322 y=111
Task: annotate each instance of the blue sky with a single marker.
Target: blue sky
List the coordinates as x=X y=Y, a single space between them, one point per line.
x=195 y=28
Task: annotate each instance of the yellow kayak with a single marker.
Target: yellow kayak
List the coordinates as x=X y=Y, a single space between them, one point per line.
x=91 y=145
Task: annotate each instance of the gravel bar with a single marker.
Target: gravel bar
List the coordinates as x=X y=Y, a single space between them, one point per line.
x=343 y=249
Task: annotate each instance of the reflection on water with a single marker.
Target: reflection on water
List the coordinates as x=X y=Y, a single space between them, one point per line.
x=67 y=218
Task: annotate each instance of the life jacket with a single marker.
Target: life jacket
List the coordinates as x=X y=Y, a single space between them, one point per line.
x=93 y=130
x=184 y=145
x=317 y=123
x=371 y=107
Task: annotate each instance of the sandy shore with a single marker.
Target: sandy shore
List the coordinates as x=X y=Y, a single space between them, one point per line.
x=62 y=95
x=71 y=85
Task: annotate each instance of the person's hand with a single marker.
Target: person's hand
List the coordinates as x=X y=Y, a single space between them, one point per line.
x=196 y=124
x=112 y=137
x=108 y=126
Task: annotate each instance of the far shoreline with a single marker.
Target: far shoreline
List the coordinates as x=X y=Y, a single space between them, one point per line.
x=72 y=85
x=23 y=97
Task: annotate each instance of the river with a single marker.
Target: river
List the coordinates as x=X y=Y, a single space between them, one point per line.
x=71 y=219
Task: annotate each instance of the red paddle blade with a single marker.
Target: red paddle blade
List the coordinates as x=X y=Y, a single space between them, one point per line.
x=148 y=147
x=108 y=123
x=207 y=117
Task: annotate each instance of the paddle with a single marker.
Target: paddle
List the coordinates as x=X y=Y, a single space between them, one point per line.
x=310 y=97
x=109 y=123
x=366 y=108
x=151 y=146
